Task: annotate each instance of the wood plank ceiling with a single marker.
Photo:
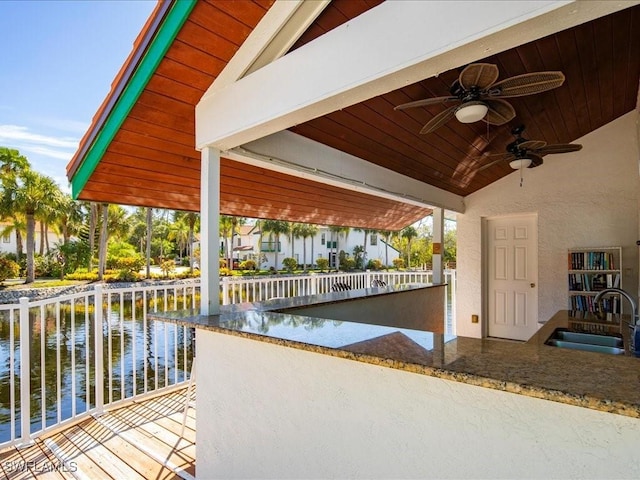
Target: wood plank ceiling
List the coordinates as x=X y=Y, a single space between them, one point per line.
x=601 y=62
x=152 y=160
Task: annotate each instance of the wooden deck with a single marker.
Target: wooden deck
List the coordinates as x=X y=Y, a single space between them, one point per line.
x=139 y=441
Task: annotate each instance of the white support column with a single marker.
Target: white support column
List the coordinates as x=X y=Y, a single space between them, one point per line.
x=210 y=232
x=438 y=247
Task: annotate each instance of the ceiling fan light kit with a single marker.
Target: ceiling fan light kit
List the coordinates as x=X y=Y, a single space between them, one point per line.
x=471 y=112
x=478 y=95
x=520 y=163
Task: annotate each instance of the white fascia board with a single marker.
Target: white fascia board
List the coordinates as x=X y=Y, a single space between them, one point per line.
x=392 y=45
x=274 y=35
x=290 y=153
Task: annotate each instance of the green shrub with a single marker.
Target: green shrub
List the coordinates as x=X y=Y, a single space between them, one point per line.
x=248 y=265
x=8 y=268
x=398 y=262
x=348 y=264
x=129 y=264
x=374 y=264
x=167 y=267
x=290 y=264
x=224 y=272
x=323 y=264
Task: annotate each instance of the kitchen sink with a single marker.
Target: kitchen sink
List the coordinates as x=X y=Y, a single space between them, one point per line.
x=590 y=342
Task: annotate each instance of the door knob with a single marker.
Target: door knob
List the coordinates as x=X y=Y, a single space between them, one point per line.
x=532 y=285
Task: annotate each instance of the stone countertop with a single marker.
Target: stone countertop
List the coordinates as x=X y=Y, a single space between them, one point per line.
x=609 y=383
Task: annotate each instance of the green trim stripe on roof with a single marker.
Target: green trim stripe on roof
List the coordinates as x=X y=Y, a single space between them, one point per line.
x=158 y=47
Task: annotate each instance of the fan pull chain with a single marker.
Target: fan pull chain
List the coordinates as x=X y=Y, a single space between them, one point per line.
x=521 y=175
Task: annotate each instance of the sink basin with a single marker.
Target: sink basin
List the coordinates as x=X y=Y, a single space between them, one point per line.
x=590 y=342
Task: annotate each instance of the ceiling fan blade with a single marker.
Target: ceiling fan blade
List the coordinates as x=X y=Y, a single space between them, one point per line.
x=481 y=75
x=424 y=102
x=558 y=148
x=536 y=161
x=439 y=120
x=505 y=157
x=532 y=145
x=527 y=84
x=500 y=112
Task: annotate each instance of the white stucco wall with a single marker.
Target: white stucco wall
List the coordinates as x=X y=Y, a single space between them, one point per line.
x=583 y=199
x=266 y=411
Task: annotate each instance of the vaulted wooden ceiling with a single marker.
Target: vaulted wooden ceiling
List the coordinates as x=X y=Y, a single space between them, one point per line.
x=151 y=160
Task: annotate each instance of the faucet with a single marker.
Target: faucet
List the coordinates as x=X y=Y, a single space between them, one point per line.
x=634 y=305
x=634 y=345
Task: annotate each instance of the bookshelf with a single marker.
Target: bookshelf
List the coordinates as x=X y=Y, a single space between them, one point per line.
x=591 y=270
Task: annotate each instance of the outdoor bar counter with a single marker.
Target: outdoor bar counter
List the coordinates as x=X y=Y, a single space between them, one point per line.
x=284 y=395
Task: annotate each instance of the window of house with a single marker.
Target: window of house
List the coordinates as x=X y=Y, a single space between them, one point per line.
x=323 y=239
x=239 y=241
x=374 y=239
x=6 y=238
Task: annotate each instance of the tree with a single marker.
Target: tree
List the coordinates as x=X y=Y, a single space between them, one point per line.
x=11 y=164
x=338 y=231
x=29 y=192
x=386 y=234
x=409 y=233
x=307 y=231
x=104 y=239
x=366 y=231
x=297 y=230
x=275 y=228
x=226 y=227
x=149 y=230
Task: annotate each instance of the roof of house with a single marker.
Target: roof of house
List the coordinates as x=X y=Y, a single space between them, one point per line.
x=140 y=148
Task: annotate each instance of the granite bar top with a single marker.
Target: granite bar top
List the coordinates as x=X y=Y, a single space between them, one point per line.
x=609 y=383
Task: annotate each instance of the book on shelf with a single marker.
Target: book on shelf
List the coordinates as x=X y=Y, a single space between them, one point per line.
x=592 y=261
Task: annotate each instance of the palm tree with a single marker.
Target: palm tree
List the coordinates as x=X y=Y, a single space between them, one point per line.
x=296 y=231
x=366 y=231
x=306 y=232
x=29 y=194
x=277 y=228
x=386 y=234
x=149 y=230
x=104 y=239
x=409 y=233
x=226 y=227
x=11 y=164
x=236 y=223
x=70 y=218
x=179 y=232
x=339 y=231
x=191 y=220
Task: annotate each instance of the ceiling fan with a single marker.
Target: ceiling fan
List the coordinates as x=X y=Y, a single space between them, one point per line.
x=478 y=96
x=523 y=153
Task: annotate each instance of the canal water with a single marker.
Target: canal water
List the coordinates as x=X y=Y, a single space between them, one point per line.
x=139 y=356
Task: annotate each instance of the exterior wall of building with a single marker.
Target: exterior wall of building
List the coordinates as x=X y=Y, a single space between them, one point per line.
x=9 y=244
x=583 y=199
x=319 y=246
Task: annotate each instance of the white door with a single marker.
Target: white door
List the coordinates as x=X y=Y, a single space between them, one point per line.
x=512 y=276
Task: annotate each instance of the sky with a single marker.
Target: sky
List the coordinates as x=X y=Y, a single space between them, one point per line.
x=57 y=62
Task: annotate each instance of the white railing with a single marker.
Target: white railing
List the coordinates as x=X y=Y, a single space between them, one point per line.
x=74 y=355
x=68 y=359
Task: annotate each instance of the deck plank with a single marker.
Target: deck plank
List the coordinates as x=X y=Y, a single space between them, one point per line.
x=101 y=455
x=137 y=459
x=66 y=450
x=172 y=456
x=138 y=441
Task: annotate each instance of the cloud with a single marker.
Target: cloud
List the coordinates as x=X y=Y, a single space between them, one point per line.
x=22 y=136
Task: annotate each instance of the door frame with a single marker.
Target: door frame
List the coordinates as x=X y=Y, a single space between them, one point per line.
x=484 y=262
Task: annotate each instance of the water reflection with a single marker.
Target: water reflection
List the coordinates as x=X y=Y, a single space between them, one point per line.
x=139 y=355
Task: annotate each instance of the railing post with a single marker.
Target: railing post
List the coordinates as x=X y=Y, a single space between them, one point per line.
x=99 y=350
x=25 y=373
x=225 y=291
